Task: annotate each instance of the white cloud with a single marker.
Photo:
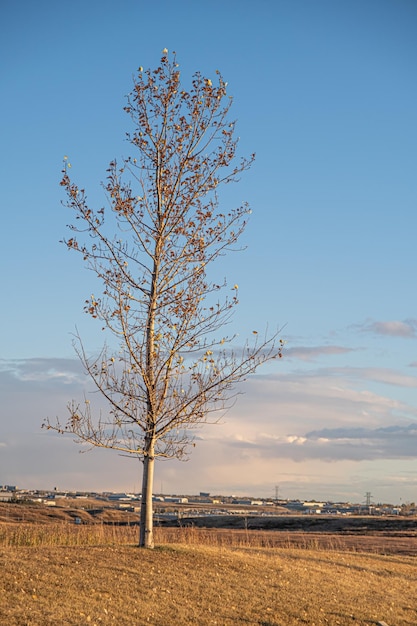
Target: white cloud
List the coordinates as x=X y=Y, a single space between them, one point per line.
x=295 y=439
x=50 y=371
x=312 y=353
x=394 y=328
x=377 y=374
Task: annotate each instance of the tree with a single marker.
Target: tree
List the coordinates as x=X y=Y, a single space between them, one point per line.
x=151 y=250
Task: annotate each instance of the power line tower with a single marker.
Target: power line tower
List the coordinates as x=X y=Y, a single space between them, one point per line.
x=368 y=499
x=276 y=493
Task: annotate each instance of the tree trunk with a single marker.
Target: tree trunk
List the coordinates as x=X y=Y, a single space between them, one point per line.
x=146 y=507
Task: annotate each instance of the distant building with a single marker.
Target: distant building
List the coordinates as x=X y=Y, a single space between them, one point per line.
x=6 y=496
x=120 y=496
x=305 y=507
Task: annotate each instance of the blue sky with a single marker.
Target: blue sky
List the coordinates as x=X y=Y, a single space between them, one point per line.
x=325 y=94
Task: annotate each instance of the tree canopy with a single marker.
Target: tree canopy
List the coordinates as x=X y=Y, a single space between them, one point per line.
x=151 y=248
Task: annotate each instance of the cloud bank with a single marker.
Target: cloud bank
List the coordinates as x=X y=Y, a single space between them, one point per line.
x=317 y=432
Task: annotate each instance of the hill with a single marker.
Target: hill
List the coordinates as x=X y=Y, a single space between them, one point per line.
x=188 y=585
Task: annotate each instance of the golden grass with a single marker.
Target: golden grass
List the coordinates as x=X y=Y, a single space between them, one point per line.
x=73 y=575
x=64 y=534
x=200 y=585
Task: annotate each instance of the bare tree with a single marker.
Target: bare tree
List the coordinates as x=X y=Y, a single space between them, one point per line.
x=151 y=249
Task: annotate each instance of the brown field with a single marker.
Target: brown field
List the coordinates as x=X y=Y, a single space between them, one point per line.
x=56 y=572
x=383 y=535
x=69 y=575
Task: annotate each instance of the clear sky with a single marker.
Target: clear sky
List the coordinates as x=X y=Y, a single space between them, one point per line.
x=325 y=93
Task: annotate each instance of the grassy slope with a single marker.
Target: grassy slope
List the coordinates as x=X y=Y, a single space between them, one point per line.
x=197 y=585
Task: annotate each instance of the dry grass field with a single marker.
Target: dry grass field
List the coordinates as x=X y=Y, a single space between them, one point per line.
x=68 y=575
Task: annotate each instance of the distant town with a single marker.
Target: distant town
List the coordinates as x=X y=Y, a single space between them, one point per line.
x=202 y=504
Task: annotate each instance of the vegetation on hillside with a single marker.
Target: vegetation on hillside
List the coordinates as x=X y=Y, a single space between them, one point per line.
x=189 y=585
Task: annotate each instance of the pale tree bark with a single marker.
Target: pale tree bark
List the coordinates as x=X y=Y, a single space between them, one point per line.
x=151 y=250
x=146 y=510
